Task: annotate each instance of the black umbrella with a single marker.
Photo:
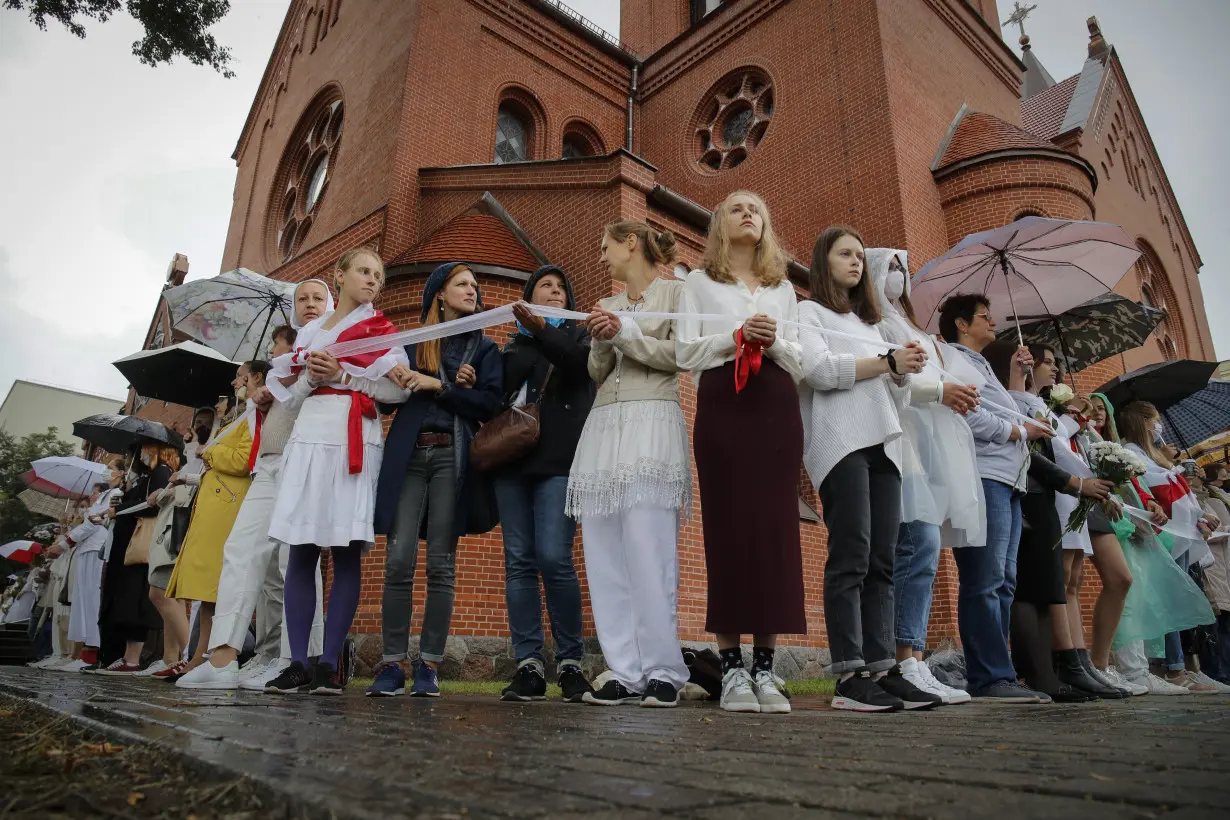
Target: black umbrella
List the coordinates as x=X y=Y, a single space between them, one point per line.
x=1163 y=385
x=1199 y=416
x=186 y=373
x=1104 y=326
x=116 y=434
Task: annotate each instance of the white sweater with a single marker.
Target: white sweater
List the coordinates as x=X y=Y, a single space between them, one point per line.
x=841 y=415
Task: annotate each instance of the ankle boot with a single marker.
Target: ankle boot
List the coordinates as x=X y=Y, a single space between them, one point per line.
x=1092 y=671
x=1069 y=670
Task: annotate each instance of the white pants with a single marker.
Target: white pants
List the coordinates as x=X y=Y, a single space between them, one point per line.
x=633 y=573
x=1132 y=660
x=87 y=597
x=60 y=616
x=253 y=575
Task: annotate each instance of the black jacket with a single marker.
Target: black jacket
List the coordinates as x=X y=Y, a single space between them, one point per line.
x=568 y=398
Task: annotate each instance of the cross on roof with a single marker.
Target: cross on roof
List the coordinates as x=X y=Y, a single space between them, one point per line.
x=1019 y=13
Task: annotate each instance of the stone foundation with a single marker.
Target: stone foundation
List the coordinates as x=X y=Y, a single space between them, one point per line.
x=491 y=658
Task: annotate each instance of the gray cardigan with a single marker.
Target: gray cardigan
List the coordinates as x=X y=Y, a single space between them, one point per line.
x=999 y=458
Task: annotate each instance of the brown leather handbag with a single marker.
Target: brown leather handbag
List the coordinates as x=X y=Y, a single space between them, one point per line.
x=509 y=436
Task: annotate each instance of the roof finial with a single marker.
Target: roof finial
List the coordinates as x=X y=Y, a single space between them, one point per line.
x=1097 y=43
x=1017 y=18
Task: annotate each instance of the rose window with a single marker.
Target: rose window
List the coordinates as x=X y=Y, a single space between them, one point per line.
x=311 y=158
x=733 y=119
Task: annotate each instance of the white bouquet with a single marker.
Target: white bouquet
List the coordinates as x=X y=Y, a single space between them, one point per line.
x=1110 y=462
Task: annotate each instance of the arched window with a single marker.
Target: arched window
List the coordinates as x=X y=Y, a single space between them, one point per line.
x=580 y=140
x=1156 y=292
x=303 y=177
x=513 y=133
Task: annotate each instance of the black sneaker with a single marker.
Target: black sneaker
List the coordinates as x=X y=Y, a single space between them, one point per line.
x=862 y=694
x=1006 y=691
x=895 y=684
x=528 y=684
x=613 y=693
x=325 y=682
x=293 y=680
x=660 y=694
x=573 y=684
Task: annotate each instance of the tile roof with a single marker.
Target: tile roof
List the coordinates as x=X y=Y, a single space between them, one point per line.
x=1044 y=112
x=475 y=237
x=979 y=133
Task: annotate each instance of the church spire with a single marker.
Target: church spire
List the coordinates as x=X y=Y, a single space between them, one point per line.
x=1036 y=78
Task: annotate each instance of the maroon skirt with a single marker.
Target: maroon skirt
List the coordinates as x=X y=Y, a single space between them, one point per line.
x=749 y=449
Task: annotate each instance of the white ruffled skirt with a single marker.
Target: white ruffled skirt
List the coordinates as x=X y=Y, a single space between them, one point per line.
x=319 y=502
x=631 y=453
x=939 y=474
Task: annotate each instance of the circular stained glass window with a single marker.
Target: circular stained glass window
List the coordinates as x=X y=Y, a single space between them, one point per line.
x=310 y=159
x=732 y=119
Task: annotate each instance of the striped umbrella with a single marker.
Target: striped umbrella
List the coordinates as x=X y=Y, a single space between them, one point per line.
x=22 y=552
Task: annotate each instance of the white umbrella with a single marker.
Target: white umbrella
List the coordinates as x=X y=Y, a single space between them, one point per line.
x=71 y=473
x=1032 y=267
x=233 y=312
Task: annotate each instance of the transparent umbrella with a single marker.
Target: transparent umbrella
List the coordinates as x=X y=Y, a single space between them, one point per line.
x=234 y=312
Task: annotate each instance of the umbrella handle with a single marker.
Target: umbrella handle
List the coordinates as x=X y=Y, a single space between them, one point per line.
x=1003 y=263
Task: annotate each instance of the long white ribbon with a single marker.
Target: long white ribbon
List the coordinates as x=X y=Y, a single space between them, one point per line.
x=134 y=509
x=504 y=314
x=1175 y=529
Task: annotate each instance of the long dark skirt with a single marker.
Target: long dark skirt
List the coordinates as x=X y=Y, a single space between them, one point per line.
x=126 y=612
x=749 y=452
x=1039 y=560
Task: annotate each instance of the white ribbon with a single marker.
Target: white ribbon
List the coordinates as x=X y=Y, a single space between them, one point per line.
x=134 y=509
x=1175 y=529
x=504 y=315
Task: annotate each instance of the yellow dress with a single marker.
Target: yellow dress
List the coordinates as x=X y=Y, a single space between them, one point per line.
x=223 y=488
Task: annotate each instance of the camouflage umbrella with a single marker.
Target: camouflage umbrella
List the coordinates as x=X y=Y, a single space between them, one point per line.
x=41 y=503
x=1105 y=326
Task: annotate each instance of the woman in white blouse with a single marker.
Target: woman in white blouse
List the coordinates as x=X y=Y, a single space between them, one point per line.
x=855 y=386
x=749 y=444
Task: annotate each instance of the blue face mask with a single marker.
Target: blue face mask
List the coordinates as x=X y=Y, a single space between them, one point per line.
x=552 y=322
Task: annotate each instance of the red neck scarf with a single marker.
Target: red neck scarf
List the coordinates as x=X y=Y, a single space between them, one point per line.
x=258 y=422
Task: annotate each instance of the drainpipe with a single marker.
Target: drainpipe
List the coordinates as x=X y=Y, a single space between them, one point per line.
x=631 y=98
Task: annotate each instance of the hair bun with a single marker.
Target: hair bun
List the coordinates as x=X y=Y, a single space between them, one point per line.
x=665 y=243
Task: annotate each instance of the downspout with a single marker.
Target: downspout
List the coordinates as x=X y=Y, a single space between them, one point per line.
x=631 y=99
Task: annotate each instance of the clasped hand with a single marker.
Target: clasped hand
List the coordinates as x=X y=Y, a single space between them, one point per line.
x=760 y=328
x=323 y=368
x=603 y=325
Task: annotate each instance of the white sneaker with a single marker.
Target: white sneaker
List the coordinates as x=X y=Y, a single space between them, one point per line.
x=207 y=676
x=149 y=671
x=918 y=673
x=1118 y=679
x=49 y=662
x=254 y=666
x=1160 y=686
x=261 y=679
x=737 y=692
x=72 y=666
x=1222 y=689
x=770 y=698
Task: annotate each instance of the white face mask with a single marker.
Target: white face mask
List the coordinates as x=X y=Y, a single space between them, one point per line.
x=1158 y=429
x=242 y=393
x=894 y=284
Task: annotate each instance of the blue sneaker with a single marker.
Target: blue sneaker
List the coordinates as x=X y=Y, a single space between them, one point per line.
x=390 y=681
x=426 y=684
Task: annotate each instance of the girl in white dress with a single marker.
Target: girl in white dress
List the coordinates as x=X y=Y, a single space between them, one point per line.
x=328 y=485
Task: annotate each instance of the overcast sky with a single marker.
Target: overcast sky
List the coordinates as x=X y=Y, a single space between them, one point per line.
x=113 y=167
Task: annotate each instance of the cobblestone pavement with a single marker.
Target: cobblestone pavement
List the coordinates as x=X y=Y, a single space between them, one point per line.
x=475 y=757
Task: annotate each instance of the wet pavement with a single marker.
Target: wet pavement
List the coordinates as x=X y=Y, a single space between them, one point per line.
x=475 y=757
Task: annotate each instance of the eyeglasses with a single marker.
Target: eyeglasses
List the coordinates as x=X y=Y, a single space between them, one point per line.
x=985 y=315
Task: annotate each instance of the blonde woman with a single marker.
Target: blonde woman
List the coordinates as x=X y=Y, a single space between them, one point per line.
x=630 y=479
x=748 y=444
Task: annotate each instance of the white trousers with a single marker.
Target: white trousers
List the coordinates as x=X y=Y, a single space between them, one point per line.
x=1132 y=660
x=60 y=616
x=254 y=573
x=633 y=572
x=87 y=597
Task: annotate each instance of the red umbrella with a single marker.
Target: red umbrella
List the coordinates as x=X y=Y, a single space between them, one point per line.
x=22 y=552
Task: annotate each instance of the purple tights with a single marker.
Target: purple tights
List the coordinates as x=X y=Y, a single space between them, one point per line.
x=300 y=599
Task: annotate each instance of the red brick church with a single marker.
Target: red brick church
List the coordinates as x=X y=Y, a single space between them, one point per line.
x=508 y=132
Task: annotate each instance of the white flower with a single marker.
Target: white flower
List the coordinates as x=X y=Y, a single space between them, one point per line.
x=1061 y=394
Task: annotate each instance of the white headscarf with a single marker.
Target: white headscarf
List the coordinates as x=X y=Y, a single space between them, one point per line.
x=294 y=314
x=896 y=327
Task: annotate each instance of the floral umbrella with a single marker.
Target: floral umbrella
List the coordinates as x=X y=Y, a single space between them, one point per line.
x=233 y=312
x=1104 y=326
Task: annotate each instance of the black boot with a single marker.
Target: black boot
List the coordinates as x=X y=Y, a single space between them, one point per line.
x=1069 y=670
x=1092 y=671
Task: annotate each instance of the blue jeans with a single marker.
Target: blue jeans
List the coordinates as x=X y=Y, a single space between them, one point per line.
x=538 y=539
x=987 y=582
x=914 y=565
x=1174 y=643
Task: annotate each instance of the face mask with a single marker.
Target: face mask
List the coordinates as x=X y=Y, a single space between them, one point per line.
x=242 y=393
x=894 y=284
x=1157 y=431
x=202 y=434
